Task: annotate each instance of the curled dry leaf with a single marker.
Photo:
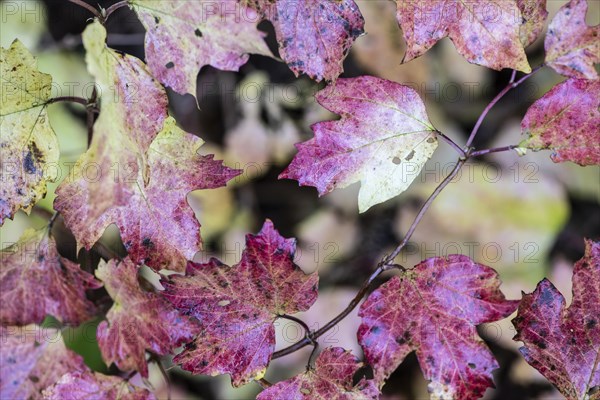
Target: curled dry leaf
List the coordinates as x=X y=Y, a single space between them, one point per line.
x=573 y=47
x=563 y=344
x=314 y=35
x=184 y=36
x=433 y=309
x=485 y=33
x=35 y=281
x=331 y=378
x=90 y=385
x=382 y=140
x=236 y=306
x=28 y=145
x=138 y=321
x=139 y=168
x=566 y=120
x=31 y=359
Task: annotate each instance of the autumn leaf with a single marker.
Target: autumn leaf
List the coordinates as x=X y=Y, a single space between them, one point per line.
x=237 y=306
x=35 y=281
x=28 y=145
x=139 y=168
x=314 y=35
x=184 y=36
x=563 y=344
x=382 y=140
x=94 y=386
x=331 y=378
x=572 y=47
x=534 y=15
x=566 y=120
x=433 y=309
x=138 y=321
x=485 y=33
x=33 y=358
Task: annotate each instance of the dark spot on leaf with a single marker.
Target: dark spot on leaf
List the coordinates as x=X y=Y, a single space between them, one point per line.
x=431 y=140
x=34 y=379
x=157 y=20
x=396 y=160
x=374 y=330
x=198 y=32
x=223 y=283
x=147 y=242
x=170 y=65
x=541 y=344
x=29 y=163
x=591 y=323
x=410 y=156
x=472 y=366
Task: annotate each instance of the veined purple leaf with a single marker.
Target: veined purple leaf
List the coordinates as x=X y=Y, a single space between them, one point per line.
x=433 y=309
x=563 y=344
x=236 y=306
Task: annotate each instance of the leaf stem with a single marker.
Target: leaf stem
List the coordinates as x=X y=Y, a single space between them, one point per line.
x=296 y=320
x=496 y=99
x=452 y=143
x=114 y=8
x=71 y=99
x=88 y=7
x=264 y=383
x=494 y=150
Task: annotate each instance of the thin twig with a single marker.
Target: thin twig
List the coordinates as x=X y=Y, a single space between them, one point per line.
x=496 y=99
x=494 y=150
x=424 y=209
x=70 y=99
x=298 y=321
x=88 y=7
x=513 y=76
x=264 y=383
x=114 y=8
x=452 y=143
x=53 y=220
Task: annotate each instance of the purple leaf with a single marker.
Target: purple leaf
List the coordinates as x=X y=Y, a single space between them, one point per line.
x=563 y=344
x=237 y=306
x=433 y=309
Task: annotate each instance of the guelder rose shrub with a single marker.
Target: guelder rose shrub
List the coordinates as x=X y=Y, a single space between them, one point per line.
x=220 y=319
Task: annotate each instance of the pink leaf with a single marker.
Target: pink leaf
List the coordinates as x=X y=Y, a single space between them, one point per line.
x=314 y=35
x=485 y=33
x=382 y=140
x=32 y=358
x=331 y=378
x=35 y=281
x=567 y=121
x=139 y=168
x=184 y=36
x=95 y=386
x=572 y=47
x=139 y=320
x=534 y=16
x=433 y=309
x=237 y=306
x=563 y=344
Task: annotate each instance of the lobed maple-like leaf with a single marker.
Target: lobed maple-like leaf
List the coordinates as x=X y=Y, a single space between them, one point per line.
x=314 y=35
x=534 y=15
x=566 y=120
x=28 y=145
x=433 y=309
x=31 y=359
x=382 y=140
x=563 y=344
x=139 y=168
x=331 y=378
x=35 y=281
x=486 y=33
x=236 y=306
x=572 y=47
x=90 y=385
x=184 y=36
x=138 y=321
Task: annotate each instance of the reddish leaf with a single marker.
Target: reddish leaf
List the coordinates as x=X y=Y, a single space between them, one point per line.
x=184 y=36
x=572 y=47
x=95 y=386
x=433 y=309
x=567 y=121
x=139 y=320
x=534 y=16
x=238 y=305
x=139 y=168
x=382 y=140
x=35 y=281
x=331 y=378
x=32 y=358
x=314 y=35
x=564 y=343
x=485 y=33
